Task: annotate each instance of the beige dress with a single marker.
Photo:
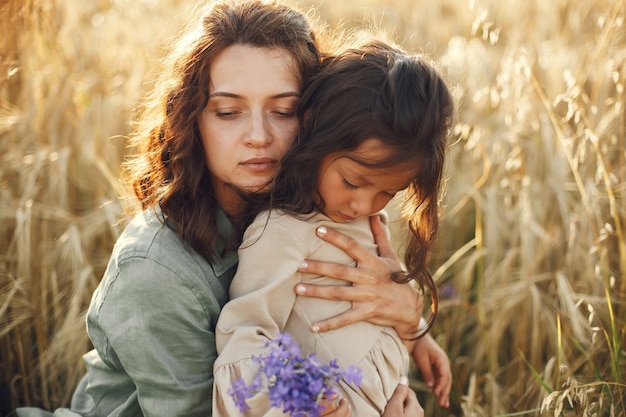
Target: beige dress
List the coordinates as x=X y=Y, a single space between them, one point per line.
x=263 y=303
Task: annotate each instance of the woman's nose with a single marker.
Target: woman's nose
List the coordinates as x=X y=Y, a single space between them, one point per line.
x=258 y=134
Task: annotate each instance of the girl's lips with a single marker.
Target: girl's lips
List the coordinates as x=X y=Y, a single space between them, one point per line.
x=344 y=218
x=259 y=164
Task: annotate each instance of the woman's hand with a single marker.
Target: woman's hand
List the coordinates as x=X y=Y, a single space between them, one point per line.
x=403 y=402
x=375 y=297
x=434 y=366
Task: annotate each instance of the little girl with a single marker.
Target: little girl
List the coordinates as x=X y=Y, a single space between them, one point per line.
x=374 y=123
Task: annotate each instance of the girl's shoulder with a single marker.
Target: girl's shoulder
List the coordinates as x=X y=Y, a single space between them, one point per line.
x=282 y=228
x=283 y=218
x=279 y=219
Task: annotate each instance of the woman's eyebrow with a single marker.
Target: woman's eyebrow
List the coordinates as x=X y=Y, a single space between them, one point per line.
x=233 y=95
x=224 y=94
x=287 y=94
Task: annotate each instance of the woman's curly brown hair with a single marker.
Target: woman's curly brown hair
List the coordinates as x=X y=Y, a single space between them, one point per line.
x=169 y=170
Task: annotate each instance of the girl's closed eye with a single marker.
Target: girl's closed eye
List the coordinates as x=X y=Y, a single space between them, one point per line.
x=348 y=184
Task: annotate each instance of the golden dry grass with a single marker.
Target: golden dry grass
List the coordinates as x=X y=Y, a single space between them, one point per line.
x=531 y=257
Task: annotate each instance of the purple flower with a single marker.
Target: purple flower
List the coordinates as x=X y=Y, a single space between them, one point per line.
x=294 y=382
x=447 y=291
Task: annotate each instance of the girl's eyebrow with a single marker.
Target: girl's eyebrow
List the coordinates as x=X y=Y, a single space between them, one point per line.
x=356 y=175
x=362 y=179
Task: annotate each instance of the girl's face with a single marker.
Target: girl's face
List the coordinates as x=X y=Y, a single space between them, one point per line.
x=249 y=121
x=351 y=190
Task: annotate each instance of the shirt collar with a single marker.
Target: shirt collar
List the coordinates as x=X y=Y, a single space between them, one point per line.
x=226 y=230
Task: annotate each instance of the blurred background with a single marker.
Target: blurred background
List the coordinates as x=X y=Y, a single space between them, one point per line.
x=531 y=255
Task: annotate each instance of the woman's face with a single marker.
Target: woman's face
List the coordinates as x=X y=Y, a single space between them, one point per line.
x=249 y=121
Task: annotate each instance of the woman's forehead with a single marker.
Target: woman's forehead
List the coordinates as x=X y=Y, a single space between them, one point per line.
x=243 y=69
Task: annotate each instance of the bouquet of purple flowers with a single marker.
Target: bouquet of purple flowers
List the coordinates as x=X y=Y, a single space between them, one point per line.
x=294 y=382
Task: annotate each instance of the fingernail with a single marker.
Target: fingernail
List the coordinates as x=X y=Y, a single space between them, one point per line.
x=315 y=329
x=300 y=289
x=303 y=266
x=403 y=380
x=322 y=230
x=430 y=384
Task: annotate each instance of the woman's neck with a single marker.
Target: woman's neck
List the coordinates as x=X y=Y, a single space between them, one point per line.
x=232 y=204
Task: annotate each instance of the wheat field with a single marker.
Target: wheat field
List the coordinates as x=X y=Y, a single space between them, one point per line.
x=531 y=255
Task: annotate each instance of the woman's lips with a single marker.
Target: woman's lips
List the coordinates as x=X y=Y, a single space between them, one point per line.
x=259 y=164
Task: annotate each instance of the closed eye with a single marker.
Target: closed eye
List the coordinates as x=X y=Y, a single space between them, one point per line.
x=227 y=115
x=349 y=184
x=286 y=114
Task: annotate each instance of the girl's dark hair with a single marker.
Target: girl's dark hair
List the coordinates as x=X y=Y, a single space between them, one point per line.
x=373 y=91
x=170 y=169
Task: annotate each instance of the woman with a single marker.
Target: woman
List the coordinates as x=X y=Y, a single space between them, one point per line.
x=153 y=316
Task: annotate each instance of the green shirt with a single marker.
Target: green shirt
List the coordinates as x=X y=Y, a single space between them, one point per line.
x=152 y=322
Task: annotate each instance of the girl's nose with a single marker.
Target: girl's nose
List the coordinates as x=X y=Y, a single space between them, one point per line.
x=362 y=207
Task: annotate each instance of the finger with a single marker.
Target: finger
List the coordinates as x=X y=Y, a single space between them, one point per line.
x=396 y=402
x=385 y=249
x=403 y=402
x=351 y=316
x=343 y=410
x=329 y=404
x=335 y=292
x=435 y=368
x=412 y=406
x=442 y=384
x=444 y=401
x=443 y=387
x=329 y=407
x=343 y=242
x=425 y=367
x=332 y=270
x=444 y=394
x=444 y=375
